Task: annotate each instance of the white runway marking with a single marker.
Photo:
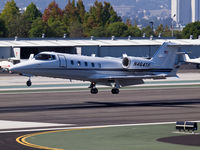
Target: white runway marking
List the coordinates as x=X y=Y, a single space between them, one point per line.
x=90 y=127
x=8 y=125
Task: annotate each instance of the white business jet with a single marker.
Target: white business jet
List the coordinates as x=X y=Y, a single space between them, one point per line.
x=187 y=59
x=115 y=72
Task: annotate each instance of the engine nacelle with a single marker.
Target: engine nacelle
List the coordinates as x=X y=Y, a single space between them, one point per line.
x=126 y=62
x=135 y=63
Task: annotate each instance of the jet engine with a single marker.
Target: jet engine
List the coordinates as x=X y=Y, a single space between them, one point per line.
x=135 y=63
x=126 y=62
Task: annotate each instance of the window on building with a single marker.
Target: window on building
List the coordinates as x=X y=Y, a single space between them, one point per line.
x=72 y=62
x=86 y=64
x=92 y=64
x=79 y=63
x=99 y=65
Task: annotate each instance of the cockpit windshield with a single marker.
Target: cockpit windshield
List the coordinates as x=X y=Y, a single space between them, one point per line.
x=45 y=57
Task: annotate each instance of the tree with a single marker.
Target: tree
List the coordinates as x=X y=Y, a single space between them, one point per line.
x=9 y=14
x=31 y=13
x=98 y=32
x=19 y=26
x=159 y=30
x=109 y=14
x=2 y=28
x=148 y=31
x=56 y=28
x=117 y=29
x=53 y=12
x=99 y=18
x=81 y=10
x=76 y=30
x=38 y=28
x=71 y=13
x=191 y=29
x=133 y=31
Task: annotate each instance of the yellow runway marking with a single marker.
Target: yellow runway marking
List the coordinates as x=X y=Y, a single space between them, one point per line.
x=22 y=139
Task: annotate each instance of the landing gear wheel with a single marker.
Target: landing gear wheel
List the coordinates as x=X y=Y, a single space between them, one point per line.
x=198 y=66
x=28 y=83
x=115 y=91
x=94 y=91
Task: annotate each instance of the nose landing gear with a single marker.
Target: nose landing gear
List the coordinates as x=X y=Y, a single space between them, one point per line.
x=29 y=83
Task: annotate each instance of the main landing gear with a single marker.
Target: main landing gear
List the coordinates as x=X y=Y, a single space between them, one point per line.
x=115 y=91
x=29 y=83
x=93 y=90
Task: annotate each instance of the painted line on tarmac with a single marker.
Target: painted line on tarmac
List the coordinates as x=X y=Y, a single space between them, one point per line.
x=71 y=85
x=56 y=90
x=22 y=139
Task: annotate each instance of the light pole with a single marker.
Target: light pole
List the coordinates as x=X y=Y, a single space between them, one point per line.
x=173 y=25
x=151 y=22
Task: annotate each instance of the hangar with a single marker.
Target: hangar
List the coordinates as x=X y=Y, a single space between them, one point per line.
x=22 y=48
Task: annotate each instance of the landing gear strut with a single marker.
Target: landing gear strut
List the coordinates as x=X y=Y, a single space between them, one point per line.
x=115 y=90
x=93 y=90
x=29 y=83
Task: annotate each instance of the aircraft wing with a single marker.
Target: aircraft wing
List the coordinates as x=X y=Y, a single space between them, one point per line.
x=120 y=77
x=124 y=80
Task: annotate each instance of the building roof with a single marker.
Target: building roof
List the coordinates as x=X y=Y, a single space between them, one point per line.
x=97 y=42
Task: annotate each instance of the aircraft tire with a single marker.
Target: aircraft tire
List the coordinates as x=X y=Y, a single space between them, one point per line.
x=115 y=91
x=94 y=91
x=198 y=66
x=28 y=83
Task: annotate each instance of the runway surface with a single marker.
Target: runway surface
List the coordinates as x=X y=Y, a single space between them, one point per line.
x=83 y=109
x=50 y=104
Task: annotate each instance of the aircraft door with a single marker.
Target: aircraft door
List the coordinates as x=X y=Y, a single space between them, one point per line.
x=62 y=60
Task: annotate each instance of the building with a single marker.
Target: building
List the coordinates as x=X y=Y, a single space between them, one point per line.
x=185 y=11
x=22 y=48
x=181 y=11
x=195 y=4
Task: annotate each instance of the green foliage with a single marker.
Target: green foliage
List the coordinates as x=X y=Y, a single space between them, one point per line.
x=31 y=13
x=57 y=28
x=76 y=30
x=117 y=29
x=98 y=32
x=148 y=31
x=10 y=11
x=100 y=21
x=71 y=13
x=19 y=26
x=2 y=28
x=9 y=14
x=38 y=28
x=133 y=31
x=191 y=29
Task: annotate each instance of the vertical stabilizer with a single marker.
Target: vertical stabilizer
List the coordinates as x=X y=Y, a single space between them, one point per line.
x=186 y=58
x=165 y=57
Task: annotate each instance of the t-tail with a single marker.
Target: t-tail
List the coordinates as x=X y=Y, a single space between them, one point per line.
x=165 y=58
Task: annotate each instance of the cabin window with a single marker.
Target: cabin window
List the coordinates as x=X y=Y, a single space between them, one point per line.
x=86 y=64
x=92 y=64
x=72 y=62
x=79 y=63
x=45 y=57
